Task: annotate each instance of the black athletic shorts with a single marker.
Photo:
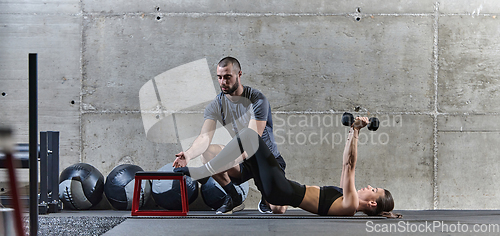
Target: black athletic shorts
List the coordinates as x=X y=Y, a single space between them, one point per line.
x=247 y=174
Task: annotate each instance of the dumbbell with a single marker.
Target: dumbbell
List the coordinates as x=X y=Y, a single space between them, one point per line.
x=348 y=120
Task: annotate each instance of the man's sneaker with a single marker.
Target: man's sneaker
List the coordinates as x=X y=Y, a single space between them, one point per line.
x=264 y=208
x=229 y=207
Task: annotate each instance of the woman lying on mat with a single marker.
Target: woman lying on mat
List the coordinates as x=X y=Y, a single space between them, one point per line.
x=278 y=190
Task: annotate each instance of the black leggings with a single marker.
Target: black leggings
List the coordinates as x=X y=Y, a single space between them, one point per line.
x=270 y=179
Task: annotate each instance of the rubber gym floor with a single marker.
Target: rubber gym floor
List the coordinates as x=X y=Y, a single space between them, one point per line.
x=251 y=222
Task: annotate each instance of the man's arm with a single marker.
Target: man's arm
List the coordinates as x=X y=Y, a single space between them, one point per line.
x=199 y=145
x=258 y=126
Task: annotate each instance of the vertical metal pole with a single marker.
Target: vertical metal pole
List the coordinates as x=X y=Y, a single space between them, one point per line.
x=43 y=168
x=50 y=169
x=33 y=141
x=54 y=166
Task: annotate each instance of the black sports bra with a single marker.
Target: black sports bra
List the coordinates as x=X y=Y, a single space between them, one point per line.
x=328 y=195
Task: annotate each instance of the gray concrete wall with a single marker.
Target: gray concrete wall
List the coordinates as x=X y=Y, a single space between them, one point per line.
x=428 y=69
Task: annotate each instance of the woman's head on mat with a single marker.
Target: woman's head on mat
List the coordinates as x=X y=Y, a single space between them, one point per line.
x=375 y=201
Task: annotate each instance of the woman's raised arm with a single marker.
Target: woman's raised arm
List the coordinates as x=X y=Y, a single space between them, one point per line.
x=347 y=179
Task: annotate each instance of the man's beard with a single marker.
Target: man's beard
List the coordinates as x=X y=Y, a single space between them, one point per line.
x=232 y=89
